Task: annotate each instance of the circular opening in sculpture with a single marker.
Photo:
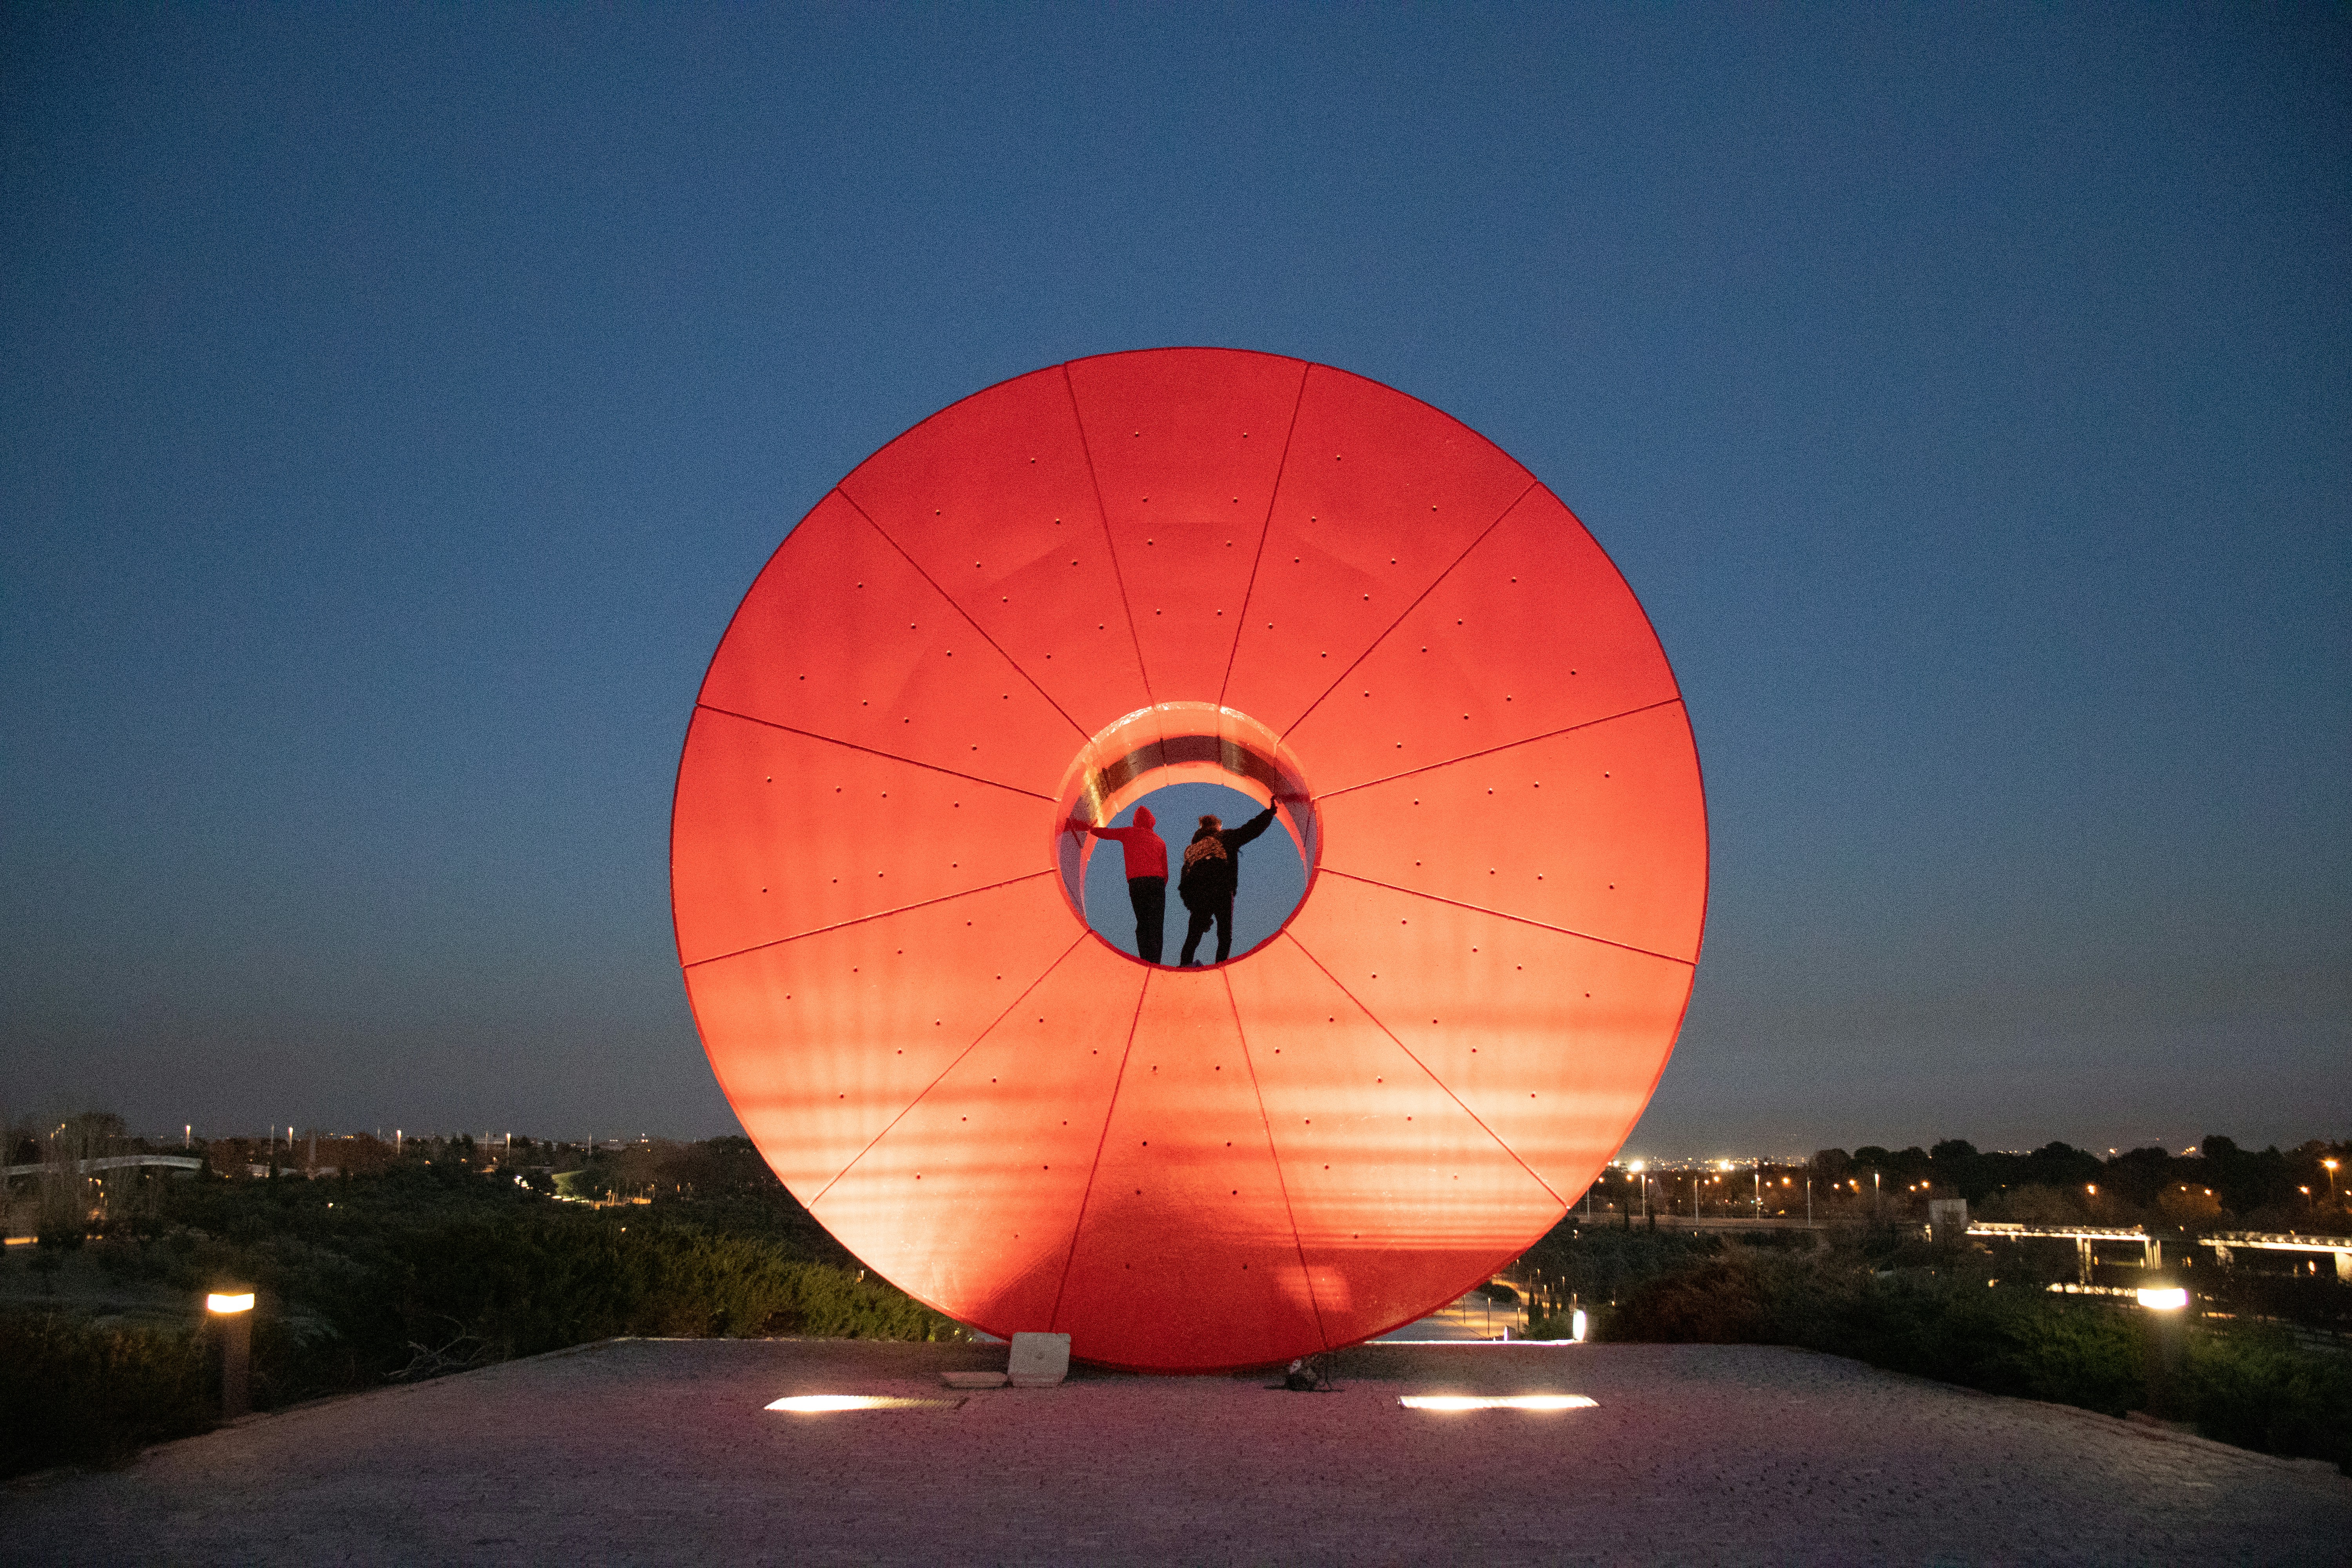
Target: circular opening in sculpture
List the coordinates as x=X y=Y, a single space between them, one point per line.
x=1179 y=760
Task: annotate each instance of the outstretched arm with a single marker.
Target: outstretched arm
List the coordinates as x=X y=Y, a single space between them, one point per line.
x=1114 y=834
x=1238 y=837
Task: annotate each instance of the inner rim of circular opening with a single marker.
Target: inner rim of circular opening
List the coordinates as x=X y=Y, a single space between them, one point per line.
x=1175 y=743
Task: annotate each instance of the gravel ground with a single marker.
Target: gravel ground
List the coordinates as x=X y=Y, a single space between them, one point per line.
x=645 y=1451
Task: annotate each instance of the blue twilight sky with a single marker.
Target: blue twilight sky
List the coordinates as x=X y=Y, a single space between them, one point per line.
x=394 y=403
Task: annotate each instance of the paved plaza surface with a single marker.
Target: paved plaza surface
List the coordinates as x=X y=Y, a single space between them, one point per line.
x=661 y=1451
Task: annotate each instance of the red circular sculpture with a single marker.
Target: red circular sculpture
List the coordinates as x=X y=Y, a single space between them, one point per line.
x=1064 y=592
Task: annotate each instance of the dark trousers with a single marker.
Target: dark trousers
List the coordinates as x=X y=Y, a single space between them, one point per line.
x=1149 y=897
x=1221 y=913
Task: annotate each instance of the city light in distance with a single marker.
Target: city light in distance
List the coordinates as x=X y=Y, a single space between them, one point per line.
x=1453 y=1402
x=826 y=1403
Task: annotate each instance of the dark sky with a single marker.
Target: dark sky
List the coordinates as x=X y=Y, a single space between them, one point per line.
x=395 y=401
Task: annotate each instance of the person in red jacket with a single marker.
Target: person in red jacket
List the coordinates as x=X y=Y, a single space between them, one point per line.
x=1147 y=878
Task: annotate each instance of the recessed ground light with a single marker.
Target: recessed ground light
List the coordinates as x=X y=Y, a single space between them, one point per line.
x=1501 y=1402
x=824 y=1404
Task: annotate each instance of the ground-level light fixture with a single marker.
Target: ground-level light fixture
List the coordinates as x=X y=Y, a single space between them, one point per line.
x=2163 y=1298
x=827 y=1403
x=1453 y=1402
x=231 y=1311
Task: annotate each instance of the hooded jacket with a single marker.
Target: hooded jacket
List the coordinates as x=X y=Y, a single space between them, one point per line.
x=1147 y=852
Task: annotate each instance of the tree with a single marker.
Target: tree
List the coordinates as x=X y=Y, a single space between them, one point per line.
x=1955 y=1163
x=2138 y=1174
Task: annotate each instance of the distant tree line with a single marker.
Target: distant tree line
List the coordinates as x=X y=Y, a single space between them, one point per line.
x=2266 y=1189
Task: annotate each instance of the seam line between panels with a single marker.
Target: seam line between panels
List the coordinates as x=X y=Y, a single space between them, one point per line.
x=1102 y=1140
x=1059 y=959
x=948 y=600
x=874 y=752
x=863 y=920
x=1506 y=746
x=1373 y=646
x=1517 y=920
x=1111 y=545
x=1445 y=1088
x=1281 y=1182
x=1264 y=531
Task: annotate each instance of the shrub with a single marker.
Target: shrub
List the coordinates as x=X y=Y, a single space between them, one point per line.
x=2019 y=1343
x=1601 y=1264
x=410 y=1275
x=2255 y=1387
x=2248 y=1385
x=1717 y=1300
x=76 y=1393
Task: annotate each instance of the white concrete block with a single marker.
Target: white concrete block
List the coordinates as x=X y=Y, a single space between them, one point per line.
x=1040 y=1360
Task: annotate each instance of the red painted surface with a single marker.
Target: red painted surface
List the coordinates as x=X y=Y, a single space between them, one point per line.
x=1078 y=587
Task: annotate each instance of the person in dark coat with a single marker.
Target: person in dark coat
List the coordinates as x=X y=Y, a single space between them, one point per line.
x=1147 y=878
x=1213 y=873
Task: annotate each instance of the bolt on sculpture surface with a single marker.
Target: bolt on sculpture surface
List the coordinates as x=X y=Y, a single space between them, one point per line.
x=1075 y=587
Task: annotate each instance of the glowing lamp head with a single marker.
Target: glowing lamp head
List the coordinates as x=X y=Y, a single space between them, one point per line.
x=833 y=1404
x=2163 y=1298
x=1451 y=1403
x=226 y=1302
